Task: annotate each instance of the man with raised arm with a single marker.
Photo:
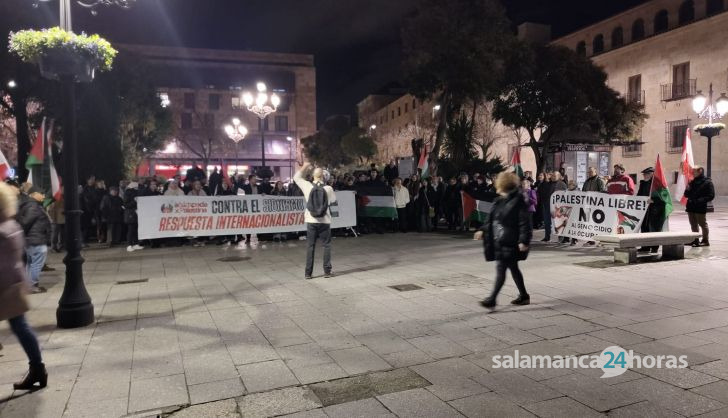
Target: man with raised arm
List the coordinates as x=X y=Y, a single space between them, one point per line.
x=318 y=198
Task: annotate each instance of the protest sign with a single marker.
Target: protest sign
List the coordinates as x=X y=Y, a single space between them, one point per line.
x=582 y=215
x=182 y=216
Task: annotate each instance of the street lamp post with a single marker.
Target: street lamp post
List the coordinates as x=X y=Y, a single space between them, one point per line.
x=237 y=133
x=706 y=109
x=262 y=106
x=74 y=307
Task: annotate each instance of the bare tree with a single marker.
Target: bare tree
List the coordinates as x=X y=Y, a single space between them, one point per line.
x=202 y=138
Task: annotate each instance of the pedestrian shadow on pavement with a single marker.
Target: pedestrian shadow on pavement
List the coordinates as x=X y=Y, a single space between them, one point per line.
x=16 y=396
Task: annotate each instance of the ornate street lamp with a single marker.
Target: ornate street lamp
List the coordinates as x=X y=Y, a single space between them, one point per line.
x=74 y=307
x=237 y=133
x=706 y=109
x=262 y=105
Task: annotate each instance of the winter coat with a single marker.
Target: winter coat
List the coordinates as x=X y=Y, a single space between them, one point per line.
x=112 y=209
x=529 y=196
x=436 y=194
x=130 y=206
x=699 y=192
x=544 y=192
x=594 y=184
x=90 y=198
x=35 y=222
x=508 y=225
x=621 y=185
x=13 y=280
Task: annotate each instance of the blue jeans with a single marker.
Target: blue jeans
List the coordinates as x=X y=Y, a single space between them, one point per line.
x=27 y=339
x=35 y=256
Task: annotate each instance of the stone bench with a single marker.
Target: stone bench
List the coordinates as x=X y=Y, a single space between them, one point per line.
x=625 y=245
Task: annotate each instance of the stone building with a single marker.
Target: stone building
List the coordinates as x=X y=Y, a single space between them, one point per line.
x=204 y=88
x=659 y=54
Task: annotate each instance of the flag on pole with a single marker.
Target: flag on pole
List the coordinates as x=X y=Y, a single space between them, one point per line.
x=516 y=161
x=685 y=173
x=659 y=190
x=55 y=180
x=4 y=167
x=475 y=209
x=36 y=156
x=423 y=164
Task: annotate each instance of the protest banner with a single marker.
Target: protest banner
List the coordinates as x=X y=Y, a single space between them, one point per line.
x=182 y=216
x=582 y=215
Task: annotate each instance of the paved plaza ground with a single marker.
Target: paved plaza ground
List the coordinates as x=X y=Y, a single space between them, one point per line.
x=180 y=331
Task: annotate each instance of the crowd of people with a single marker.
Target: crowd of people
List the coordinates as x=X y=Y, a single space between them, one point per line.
x=422 y=204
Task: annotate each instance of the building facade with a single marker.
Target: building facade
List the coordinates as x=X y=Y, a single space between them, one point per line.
x=661 y=54
x=204 y=87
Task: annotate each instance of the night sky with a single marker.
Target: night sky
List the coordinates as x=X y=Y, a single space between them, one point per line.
x=355 y=42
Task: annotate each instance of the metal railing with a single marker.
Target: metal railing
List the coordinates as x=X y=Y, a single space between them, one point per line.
x=674 y=91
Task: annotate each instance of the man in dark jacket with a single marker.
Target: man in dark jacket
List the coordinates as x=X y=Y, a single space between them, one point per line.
x=435 y=194
x=112 y=213
x=37 y=228
x=654 y=217
x=214 y=182
x=544 y=192
x=89 y=205
x=699 y=192
x=391 y=171
x=594 y=183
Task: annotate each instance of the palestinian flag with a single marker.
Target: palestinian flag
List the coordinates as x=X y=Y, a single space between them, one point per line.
x=378 y=207
x=685 y=173
x=516 y=161
x=423 y=165
x=625 y=219
x=55 y=180
x=659 y=189
x=474 y=209
x=4 y=167
x=37 y=154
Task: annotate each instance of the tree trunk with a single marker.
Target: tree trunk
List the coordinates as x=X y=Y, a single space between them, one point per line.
x=20 y=111
x=440 y=135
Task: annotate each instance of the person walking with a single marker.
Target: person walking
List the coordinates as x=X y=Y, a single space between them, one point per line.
x=506 y=235
x=37 y=227
x=699 y=192
x=318 y=198
x=13 y=289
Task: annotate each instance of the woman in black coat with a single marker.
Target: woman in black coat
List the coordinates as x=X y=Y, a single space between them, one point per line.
x=507 y=233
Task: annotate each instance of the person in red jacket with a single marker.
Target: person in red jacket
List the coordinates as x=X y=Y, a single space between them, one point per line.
x=620 y=183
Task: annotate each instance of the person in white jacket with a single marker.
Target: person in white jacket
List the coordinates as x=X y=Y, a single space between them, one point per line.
x=401 y=199
x=316 y=227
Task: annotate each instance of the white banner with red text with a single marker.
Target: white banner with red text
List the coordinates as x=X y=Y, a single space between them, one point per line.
x=183 y=216
x=582 y=215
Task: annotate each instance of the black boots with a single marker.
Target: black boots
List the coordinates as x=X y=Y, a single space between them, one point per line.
x=521 y=300
x=488 y=303
x=36 y=374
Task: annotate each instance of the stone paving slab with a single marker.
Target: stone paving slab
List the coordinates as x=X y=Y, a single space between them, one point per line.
x=202 y=332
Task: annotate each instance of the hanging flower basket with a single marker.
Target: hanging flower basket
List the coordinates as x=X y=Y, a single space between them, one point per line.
x=709 y=130
x=63 y=54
